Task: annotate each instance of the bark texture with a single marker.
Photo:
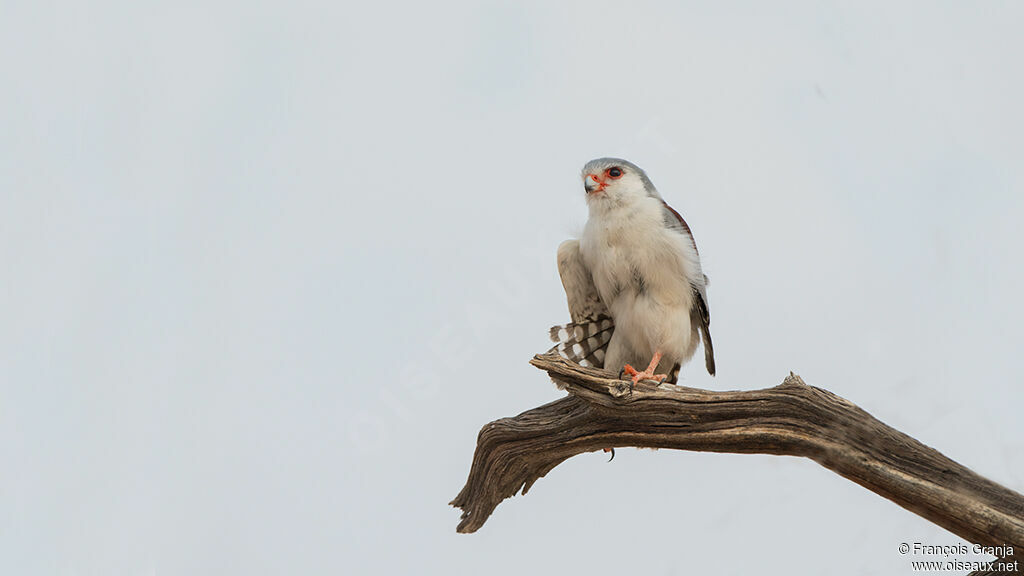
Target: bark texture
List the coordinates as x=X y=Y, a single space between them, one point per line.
x=791 y=419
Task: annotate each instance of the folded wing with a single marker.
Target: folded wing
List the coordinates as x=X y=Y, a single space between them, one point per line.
x=585 y=339
x=699 y=314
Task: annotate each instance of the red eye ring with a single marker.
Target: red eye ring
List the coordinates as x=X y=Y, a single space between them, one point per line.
x=614 y=173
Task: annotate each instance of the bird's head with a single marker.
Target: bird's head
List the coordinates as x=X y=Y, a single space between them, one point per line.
x=616 y=180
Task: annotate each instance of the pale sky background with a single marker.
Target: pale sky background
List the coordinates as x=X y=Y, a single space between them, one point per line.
x=269 y=267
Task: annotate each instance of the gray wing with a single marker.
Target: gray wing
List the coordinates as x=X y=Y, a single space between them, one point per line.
x=584 y=303
x=586 y=338
x=699 y=314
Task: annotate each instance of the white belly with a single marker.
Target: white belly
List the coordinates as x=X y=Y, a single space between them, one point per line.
x=640 y=274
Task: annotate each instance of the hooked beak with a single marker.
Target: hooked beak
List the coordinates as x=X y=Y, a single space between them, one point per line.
x=593 y=184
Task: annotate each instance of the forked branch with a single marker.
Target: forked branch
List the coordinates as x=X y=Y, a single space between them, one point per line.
x=791 y=419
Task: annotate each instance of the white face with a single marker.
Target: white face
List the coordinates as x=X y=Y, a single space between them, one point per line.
x=608 y=179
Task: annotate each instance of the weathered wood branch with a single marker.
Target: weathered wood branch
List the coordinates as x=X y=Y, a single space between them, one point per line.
x=791 y=419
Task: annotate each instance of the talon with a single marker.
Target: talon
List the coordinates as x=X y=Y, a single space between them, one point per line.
x=627 y=369
x=647 y=374
x=612 y=450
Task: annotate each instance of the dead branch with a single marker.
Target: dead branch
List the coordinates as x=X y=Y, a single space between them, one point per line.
x=791 y=419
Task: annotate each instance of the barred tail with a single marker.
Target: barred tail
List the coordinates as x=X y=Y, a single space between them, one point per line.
x=584 y=343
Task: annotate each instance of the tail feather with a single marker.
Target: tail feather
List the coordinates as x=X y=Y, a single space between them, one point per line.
x=585 y=343
x=673 y=375
x=709 y=351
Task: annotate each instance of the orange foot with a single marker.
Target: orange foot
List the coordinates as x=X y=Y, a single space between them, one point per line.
x=646 y=374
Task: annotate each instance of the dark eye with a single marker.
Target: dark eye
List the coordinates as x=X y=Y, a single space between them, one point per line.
x=615 y=172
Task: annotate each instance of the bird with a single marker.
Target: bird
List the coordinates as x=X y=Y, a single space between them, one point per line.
x=633 y=281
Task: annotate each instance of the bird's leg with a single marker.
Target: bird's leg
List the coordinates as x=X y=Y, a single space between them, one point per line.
x=646 y=374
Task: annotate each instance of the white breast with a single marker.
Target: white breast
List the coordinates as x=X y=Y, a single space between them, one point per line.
x=640 y=269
